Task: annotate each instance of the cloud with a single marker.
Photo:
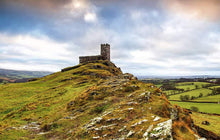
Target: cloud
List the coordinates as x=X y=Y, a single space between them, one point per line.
x=90 y=17
x=31 y=50
x=29 y=66
x=203 y=9
x=146 y=37
x=55 y=19
x=171 y=45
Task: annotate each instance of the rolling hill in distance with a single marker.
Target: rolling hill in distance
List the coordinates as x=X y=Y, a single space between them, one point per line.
x=7 y=75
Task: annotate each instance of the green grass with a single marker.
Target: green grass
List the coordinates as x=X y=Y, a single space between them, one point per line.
x=190 y=85
x=203 y=107
x=214 y=87
x=14 y=97
x=186 y=87
x=214 y=98
x=195 y=93
x=214 y=121
x=37 y=99
x=159 y=85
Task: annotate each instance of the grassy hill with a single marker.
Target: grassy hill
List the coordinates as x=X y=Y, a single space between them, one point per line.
x=90 y=101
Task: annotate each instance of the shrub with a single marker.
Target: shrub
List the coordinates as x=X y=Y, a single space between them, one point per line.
x=213 y=91
x=99 y=109
x=193 y=97
x=184 y=98
x=200 y=95
x=218 y=81
x=181 y=97
x=193 y=108
x=196 y=86
x=48 y=127
x=218 y=90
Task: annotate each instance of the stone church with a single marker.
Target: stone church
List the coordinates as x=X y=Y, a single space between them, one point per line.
x=105 y=55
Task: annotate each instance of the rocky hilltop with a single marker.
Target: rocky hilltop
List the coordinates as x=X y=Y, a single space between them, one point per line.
x=93 y=100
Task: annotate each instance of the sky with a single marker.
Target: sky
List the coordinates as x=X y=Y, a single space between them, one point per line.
x=147 y=37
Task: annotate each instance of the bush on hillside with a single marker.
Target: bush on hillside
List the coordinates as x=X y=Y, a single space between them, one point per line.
x=196 y=86
x=200 y=95
x=99 y=108
x=184 y=98
x=218 y=81
x=193 y=97
x=218 y=90
x=195 y=109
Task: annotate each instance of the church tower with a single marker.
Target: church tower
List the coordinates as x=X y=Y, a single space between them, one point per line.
x=105 y=51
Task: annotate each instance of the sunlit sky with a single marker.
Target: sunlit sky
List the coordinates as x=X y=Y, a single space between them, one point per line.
x=147 y=37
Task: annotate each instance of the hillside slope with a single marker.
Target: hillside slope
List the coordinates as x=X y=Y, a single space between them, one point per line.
x=90 y=101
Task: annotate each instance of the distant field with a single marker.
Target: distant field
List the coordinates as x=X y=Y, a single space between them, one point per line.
x=190 y=85
x=195 y=93
x=203 y=107
x=214 y=121
x=195 y=83
x=215 y=98
x=159 y=85
x=186 y=87
x=214 y=87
